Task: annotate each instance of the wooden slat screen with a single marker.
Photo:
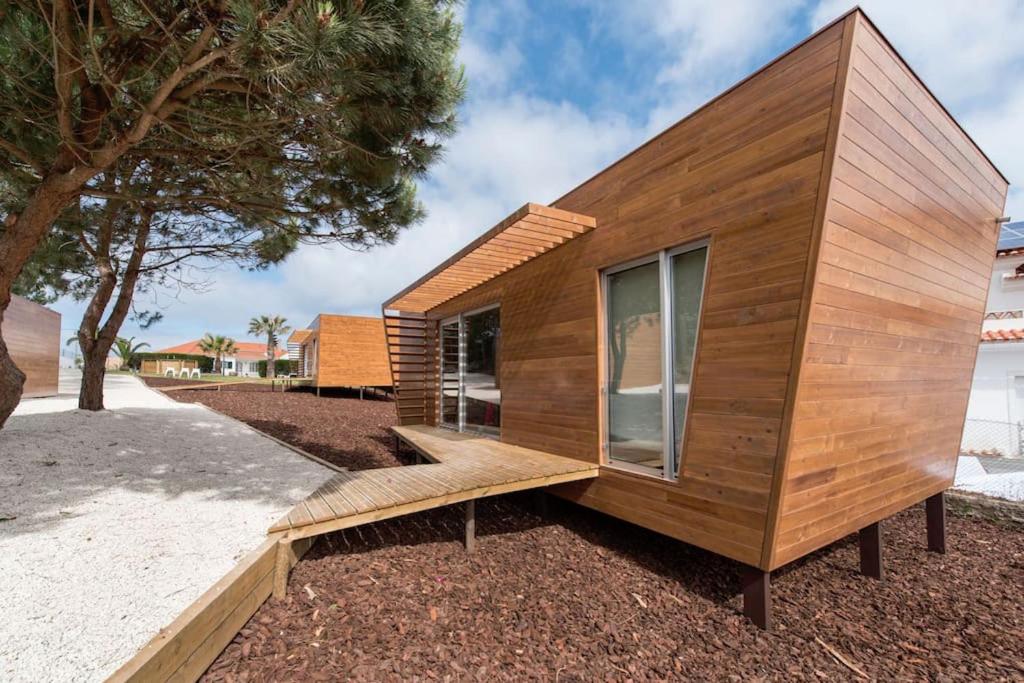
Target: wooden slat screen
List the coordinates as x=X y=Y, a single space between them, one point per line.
x=408 y=334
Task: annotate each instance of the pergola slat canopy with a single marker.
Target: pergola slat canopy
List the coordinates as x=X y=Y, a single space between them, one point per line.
x=533 y=230
x=299 y=336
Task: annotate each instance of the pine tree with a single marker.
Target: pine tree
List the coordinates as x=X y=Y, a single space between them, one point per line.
x=304 y=121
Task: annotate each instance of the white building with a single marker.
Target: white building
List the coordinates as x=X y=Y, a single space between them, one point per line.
x=244 y=362
x=995 y=414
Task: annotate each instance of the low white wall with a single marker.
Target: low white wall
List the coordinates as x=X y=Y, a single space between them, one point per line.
x=997 y=400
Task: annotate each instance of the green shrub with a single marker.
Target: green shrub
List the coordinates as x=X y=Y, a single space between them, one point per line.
x=282 y=366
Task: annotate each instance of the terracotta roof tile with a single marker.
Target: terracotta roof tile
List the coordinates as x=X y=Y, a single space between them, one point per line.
x=1002 y=335
x=246 y=350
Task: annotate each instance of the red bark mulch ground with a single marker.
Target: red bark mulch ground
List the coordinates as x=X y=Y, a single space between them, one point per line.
x=576 y=595
x=340 y=428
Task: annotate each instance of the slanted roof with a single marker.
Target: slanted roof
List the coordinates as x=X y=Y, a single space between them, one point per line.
x=299 y=336
x=533 y=230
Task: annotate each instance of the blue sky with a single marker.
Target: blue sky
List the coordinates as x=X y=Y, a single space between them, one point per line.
x=558 y=90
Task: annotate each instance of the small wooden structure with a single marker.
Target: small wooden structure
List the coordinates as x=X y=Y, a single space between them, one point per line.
x=32 y=335
x=760 y=326
x=159 y=366
x=342 y=351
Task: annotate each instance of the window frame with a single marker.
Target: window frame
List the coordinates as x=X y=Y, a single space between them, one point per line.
x=663 y=257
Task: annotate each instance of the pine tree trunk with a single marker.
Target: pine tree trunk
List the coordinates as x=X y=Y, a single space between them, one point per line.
x=21 y=235
x=11 y=381
x=96 y=341
x=94 y=370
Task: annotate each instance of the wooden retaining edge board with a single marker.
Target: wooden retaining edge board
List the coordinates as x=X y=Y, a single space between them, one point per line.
x=185 y=649
x=202 y=385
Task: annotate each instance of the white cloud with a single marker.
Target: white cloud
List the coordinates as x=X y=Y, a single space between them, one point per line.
x=705 y=45
x=999 y=130
x=963 y=49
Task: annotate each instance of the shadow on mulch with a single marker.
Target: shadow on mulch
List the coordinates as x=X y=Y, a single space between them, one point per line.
x=355 y=458
x=336 y=426
x=577 y=595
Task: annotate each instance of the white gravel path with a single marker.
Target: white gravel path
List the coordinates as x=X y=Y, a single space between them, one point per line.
x=122 y=519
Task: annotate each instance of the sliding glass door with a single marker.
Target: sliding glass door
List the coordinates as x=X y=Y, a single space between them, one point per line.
x=470 y=361
x=652 y=311
x=451 y=373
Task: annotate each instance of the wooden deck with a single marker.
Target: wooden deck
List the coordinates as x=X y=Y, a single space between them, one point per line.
x=463 y=467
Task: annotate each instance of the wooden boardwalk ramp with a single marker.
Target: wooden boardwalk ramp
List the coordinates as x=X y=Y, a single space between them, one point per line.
x=462 y=468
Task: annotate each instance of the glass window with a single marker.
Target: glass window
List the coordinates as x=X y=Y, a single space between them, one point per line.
x=634 y=364
x=470 y=360
x=687 y=293
x=481 y=394
x=450 y=374
x=652 y=318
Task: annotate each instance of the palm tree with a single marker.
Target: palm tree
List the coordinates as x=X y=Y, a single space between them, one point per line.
x=124 y=350
x=273 y=327
x=218 y=346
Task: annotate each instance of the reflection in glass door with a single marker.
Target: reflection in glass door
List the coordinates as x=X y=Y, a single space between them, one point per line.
x=652 y=312
x=470 y=362
x=451 y=375
x=634 y=364
x=481 y=394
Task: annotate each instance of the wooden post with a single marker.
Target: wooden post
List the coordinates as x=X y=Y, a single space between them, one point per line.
x=871 y=551
x=282 y=566
x=540 y=502
x=757 y=599
x=935 y=512
x=470 y=526
x=318 y=391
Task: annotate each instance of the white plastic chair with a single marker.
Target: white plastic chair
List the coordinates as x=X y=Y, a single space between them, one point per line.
x=169 y=372
x=183 y=374
x=196 y=374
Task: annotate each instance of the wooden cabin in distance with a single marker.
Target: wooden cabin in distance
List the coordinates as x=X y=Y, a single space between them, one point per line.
x=342 y=351
x=761 y=324
x=32 y=334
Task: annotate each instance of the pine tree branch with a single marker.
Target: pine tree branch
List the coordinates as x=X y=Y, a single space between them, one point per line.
x=22 y=156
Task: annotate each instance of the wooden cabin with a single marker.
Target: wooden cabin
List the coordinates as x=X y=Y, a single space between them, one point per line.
x=32 y=335
x=761 y=324
x=342 y=351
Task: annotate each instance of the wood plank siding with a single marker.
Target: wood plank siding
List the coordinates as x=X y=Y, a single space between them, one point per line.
x=32 y=335
x=351 y=351
x=851 y=227
x=895 y=314
x=744 y=171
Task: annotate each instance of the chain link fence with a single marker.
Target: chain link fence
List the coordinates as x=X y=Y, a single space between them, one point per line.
x=991 y=437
